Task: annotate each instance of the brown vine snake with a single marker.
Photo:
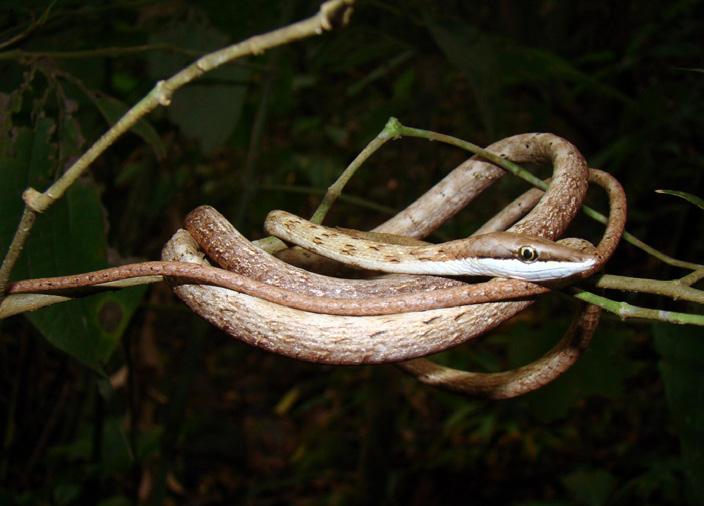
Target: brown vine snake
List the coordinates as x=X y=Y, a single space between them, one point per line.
x=494 y=254
x=396 y=336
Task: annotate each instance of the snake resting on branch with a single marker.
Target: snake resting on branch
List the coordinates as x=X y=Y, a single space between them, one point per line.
x=401 y=317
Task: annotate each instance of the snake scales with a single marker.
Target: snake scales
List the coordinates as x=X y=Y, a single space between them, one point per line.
x=318 y=318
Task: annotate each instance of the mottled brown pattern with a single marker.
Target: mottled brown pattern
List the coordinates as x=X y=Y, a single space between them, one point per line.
x=547 y=220
x=480 y=315
x=434 y=322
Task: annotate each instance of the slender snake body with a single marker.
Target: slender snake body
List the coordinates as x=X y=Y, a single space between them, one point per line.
x=277 y=306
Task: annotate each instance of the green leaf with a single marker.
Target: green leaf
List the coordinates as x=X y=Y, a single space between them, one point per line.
x=70 y=138
x=319 y=170
x=37 y=153
x=659 y=483
x=209 y=109
x=682 y=349
x=590 y=488
x=491 y=64
x=9 y=105
x=117 y=500
x=601 y=370
x=68 y=238
x=472 y=53
x=66 y=493
x=692 y=199
x=113 y=109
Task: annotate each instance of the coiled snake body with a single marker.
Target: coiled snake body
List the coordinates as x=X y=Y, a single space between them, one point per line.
x=277 y=306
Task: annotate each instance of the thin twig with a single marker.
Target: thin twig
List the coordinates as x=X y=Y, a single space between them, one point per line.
x=335 y=190
x=15 y=249
x=102 y=52
x=527 y=176
x=691 y=278
x=381 y=71
x=330 y=13
x=33 y=26
x=250 y=164
x=248 y=184
x=677 y=289
x=24 y=302
x=273 y=244
x=625 y=310
x=674 y=289
x=350 y=199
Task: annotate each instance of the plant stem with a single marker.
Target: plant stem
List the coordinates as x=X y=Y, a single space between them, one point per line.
x=529 y=177
x=335 y=190
x=674 y=289
x=331 y=13
x=350 y=199
x=625 y=310
x=103 y=52
x=16 y=246
x=691 y=278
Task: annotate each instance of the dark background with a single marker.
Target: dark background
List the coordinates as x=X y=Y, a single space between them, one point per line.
x=147 y=403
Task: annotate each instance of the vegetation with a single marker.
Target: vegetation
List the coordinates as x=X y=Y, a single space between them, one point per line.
x=126 y=397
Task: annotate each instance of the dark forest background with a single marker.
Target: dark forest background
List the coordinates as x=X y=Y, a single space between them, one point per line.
x=127 y=397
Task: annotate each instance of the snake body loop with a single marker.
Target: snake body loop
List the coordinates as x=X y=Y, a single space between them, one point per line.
x=494 y=385
x=389 y=338
x=282 y=308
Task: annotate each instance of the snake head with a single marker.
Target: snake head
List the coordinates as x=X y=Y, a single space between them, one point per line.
x=517 y=256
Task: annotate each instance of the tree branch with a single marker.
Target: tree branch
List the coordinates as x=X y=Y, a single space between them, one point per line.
x=331 y=13
x=519 y=171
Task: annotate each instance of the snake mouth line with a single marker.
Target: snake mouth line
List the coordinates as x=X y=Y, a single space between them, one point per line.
x=497 y=267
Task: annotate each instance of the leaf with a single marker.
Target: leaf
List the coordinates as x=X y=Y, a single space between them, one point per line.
x=682 y=349
x=117 y=500
x=692 y=199
x=71 y=140
x=601 y=370
x=66 y=493
x=37 y=152
x=68 y=238
x=319 y=170
x=660 y=482
x=113 y=109
x=71 y=238
x=491 y=64
x=590 y=487
x=472 y=53
x=209 y=109
x=9 y=105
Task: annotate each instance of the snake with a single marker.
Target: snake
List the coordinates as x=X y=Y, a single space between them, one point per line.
x=495 y=254
x=257 y=297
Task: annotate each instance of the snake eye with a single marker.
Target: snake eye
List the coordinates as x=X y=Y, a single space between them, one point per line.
x=527 y=254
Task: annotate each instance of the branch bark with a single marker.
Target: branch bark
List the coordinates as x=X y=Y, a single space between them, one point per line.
x=331 y=14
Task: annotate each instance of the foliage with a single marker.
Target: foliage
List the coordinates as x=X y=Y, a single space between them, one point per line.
x=167 y=410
